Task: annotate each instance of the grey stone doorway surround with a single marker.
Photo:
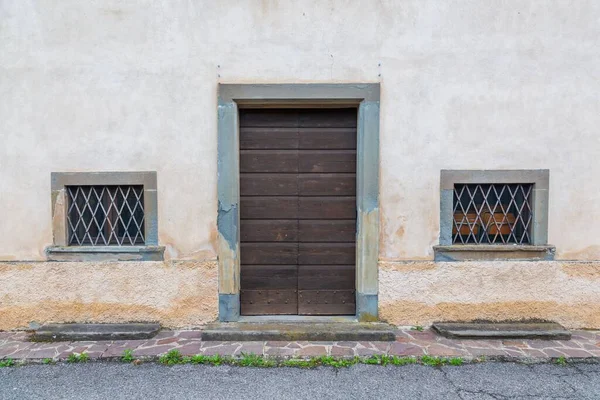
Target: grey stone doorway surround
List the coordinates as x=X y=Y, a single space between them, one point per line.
x=366 y=98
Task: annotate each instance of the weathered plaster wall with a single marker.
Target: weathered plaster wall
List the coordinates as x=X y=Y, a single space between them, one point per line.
x=131 y=85
x=177 y=294
x=184 y=293
x=419 y=293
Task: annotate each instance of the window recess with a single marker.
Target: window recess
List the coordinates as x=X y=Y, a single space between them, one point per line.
x=111 y=215
x=104 y=216
x=494 y=215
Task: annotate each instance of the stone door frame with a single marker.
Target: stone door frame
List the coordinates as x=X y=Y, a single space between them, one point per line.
x=233 y=96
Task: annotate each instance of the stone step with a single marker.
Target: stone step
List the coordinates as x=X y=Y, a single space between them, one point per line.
x=79 y=332
x=309 y=331
x=502 y=330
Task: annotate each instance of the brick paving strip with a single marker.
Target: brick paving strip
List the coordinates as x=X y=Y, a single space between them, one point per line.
x=583 y=345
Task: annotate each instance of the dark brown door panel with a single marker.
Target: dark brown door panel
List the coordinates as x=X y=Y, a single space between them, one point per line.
x=269 y=253
x=297 y=211
x=332 y=138
x=322 y=277
x=258 y=277
x=326 y=302
x=327 y=207
x=270 y=230
x=268 y=301
x=327 y=184
x=324 y=230
x=327 y=161
x=326 y=253
x=268 y=185
x=280 y=207
x=271 y=161
x=268 y=138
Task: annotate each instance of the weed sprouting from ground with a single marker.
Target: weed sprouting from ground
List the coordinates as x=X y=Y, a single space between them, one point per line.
x=9 y=362
x=253 y=360
x=441 y=361
x=173 y=357
x=299 y=363
x=78 y=358
x=399 y=361
x=456 y=361
x=127 y=356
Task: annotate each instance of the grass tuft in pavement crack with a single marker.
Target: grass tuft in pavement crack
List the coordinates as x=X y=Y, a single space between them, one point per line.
x=441 y=361
x=127 y=356
x=174 y=357
x=562 y=361
x=210 y=360
x=456 y=361
x=9 y=362
x=253 y=360
x=78 y=358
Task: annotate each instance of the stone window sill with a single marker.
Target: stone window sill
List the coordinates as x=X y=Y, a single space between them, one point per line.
x=494 y=252
x=105 y=253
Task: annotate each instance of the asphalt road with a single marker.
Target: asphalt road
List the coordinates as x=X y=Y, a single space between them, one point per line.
x=151 y=381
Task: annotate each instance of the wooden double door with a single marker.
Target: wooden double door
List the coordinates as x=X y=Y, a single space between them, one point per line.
x=298 y=211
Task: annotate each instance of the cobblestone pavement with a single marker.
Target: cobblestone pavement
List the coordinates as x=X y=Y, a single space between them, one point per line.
x=584 y=344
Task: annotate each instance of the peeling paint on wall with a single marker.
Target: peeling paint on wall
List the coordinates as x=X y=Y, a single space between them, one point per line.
x=227 y=221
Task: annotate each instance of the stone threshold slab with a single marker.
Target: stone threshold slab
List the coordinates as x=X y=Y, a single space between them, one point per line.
x=307 y=331
x=85 y=332
x=502 y=330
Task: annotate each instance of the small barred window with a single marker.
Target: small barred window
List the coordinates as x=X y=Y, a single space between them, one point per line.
x=492 y=214
x=102 y=215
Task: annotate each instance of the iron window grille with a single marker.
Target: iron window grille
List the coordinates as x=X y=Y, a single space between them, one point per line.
x=492 y=214
x=105 y=215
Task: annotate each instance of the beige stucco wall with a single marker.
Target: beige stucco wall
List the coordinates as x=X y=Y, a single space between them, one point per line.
x=184 y=293
x=419 y=293
x=131 y=85
x=176 y=294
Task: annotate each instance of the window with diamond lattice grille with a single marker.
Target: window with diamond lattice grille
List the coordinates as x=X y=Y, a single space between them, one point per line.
x=492 y=214
x=105 y=215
